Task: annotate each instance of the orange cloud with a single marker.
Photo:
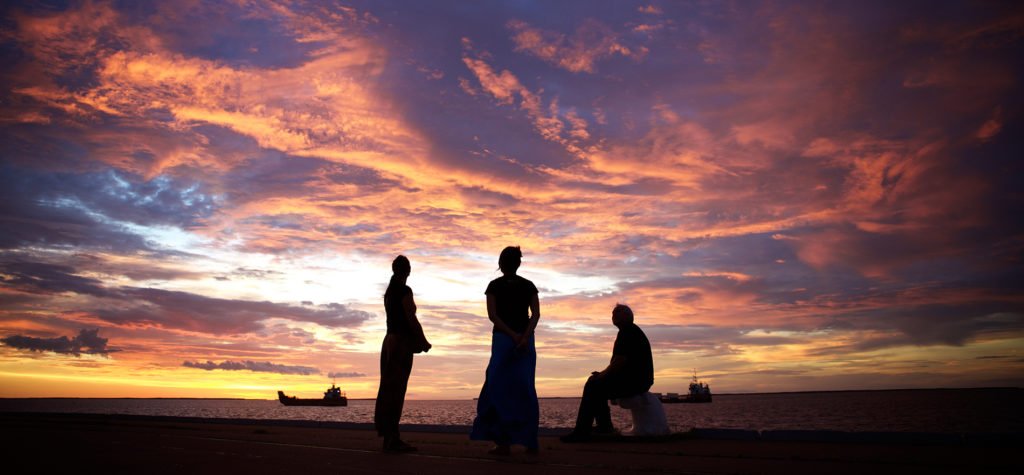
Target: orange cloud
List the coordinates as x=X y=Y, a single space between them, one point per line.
x=591 y=42
x=505 y=86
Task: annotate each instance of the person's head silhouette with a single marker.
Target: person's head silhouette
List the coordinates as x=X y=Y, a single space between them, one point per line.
x=622 y=315
x=400 y=266
x=510 y=259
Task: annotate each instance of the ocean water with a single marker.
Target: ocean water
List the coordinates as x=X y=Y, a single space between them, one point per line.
x=959 y=411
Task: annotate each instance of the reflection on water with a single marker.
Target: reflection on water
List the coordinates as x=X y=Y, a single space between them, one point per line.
x=950 y=411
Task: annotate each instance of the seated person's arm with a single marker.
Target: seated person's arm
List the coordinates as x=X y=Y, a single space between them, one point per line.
x=615 y=367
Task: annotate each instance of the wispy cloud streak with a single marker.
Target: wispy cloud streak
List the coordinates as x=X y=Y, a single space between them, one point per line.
x=255 y=366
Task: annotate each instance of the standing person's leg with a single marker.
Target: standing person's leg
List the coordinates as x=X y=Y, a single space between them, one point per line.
x=531 y=418
x=383 y=405
x=497 y=402
x=395 y=368
x=384 y=391
x=402 y=368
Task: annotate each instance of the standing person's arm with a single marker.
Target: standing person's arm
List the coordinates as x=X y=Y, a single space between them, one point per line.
x=409 y=308
x=534 y=318
x=492 y=314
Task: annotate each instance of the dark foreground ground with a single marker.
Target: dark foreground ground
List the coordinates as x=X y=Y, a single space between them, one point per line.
x=64 y=443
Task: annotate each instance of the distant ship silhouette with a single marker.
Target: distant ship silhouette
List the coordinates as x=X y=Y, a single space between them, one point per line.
x=332 y=397
x=699 y=392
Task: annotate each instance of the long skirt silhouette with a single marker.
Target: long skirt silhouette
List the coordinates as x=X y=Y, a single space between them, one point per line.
x=507 y=411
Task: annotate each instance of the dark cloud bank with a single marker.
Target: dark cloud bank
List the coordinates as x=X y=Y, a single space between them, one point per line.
x=87 y=342
x=351 y=374
x=85 y=210
x=166 y=308
x=257 y=366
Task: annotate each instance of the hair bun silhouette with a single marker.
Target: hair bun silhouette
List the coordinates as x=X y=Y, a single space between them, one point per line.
x=510 y=259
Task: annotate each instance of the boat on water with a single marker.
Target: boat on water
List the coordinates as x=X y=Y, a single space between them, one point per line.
x=332 y=397
x=699 y=392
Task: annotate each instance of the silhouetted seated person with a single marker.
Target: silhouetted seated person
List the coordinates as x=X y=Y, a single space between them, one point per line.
x=630 y=372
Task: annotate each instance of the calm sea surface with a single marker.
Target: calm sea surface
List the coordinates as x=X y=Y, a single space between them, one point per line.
x=937 y=411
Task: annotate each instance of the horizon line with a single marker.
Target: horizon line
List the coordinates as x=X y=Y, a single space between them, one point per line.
x=1016 y=388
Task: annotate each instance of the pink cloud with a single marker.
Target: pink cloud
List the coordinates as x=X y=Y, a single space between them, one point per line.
x=650 y=9
x=991 y=127
x=591 y=42
x=505 y=87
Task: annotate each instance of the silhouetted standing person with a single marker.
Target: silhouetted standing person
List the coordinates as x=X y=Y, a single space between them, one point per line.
x=507 y=411
x=404 y=338
x=630 y=372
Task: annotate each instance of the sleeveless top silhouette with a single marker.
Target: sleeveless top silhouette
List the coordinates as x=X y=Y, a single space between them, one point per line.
x=397 y=323
x=512 y=295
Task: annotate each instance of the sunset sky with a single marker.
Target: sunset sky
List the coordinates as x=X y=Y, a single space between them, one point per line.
x=203 y=199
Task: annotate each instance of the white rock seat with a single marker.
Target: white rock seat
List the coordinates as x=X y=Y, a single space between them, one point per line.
x=648 y=415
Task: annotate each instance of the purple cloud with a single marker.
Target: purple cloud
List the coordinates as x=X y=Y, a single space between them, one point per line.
x=256 y=366
x=86 y=342
x=171 y=309
x=346 y=374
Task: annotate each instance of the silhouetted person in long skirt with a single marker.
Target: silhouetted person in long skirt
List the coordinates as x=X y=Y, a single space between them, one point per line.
x=404 y=338
x=630 y=372
x=507 y=411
